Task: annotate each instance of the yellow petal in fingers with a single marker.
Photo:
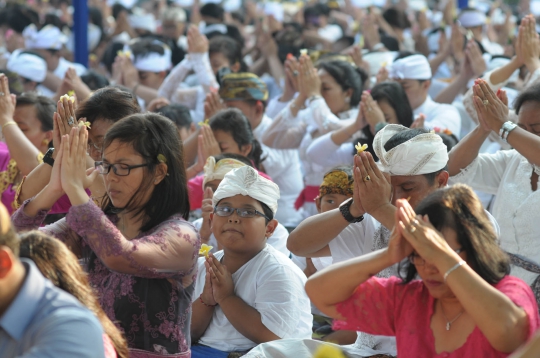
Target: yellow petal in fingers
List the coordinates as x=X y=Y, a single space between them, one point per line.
x=205 y=250
x=360 y=148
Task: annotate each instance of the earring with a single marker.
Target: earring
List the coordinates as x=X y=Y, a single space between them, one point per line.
x=45 y=142
x=347 y=99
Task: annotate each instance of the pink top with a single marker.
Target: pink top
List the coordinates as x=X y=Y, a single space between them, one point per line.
x=196 y=190
x=387 y=307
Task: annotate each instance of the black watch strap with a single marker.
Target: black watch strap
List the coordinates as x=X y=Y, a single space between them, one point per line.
x=48 y=157
x=345 y=209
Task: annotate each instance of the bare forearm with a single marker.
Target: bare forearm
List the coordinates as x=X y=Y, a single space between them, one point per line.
x=504 y=324
x=436 y=61
x=342 y=135
x=21 y=149
x=276 y=68
x=314 y=233
x=43 y=201
x=190 y=147
x=35 y=182
x=336 y=283
x=462 y=155
x=246 y=320
x=200 y=319
x=146 y=93
x=450 y=93
x=503 y=73
x=526 y=143
x=51 y=81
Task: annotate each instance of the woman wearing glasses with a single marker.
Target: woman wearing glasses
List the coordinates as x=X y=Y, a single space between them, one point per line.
x=464 y=304
x=139 y=250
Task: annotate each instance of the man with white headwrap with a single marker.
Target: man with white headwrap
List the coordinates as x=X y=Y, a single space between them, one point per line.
x=253 y=293
x=30 y=67
x=413 y=72
x=152 y=59
x=474 y=20
x=48 y=42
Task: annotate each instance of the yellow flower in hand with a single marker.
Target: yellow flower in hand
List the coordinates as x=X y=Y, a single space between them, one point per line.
x=360 y=148
x=206 y=122
x=328 y=351
x=205 y=250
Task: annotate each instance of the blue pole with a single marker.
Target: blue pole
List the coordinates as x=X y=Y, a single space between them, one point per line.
x=462 y=4
x=80 y=31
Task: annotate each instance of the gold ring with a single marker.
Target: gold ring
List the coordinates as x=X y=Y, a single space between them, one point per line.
x=412 y=229
x=367 y=178
x=486 y=102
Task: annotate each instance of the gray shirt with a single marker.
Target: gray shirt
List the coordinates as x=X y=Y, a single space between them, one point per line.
x=45 y=321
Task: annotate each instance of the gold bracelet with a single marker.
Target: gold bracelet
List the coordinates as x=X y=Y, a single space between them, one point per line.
x=7 y=124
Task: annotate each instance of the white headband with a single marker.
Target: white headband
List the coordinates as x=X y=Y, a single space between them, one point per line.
x=141 y=20
x=213 y=171
x=246 y=181
x=49 y=37
x=472 y=18
x=153 y=61
x=29 y=66
x=415 y=67
x=423 y=154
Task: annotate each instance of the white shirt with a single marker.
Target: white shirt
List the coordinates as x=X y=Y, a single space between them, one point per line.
x=283 y=166
x=330 y=32
x=507 y=174
x=273 y=285
x=440 y=115
x=60 y=72
x=278 y=240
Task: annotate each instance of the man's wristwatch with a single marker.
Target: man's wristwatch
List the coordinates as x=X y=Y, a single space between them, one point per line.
x=48 y=157
x=345 y=209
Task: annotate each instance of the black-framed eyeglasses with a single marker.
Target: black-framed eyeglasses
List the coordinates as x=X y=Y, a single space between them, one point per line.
x=121 y=170
x=243 y=213
x=416 y=260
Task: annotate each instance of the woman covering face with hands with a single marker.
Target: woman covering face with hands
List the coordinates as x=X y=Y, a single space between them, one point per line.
x=455 y=298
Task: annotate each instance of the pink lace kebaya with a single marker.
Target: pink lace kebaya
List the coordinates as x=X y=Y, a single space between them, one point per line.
x=150 y=300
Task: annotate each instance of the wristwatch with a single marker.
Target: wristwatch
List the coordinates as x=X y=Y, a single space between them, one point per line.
x=48 y=157
x=345 y=209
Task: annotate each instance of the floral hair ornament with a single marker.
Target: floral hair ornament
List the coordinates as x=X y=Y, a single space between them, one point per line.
x=444 y=131
x=360 y=147
x=161 y=158
x=336 y=182
x=206 y=122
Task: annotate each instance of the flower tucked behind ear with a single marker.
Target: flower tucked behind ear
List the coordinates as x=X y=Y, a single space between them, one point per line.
x=205 y=250
x=161 y=158
x=206 y=122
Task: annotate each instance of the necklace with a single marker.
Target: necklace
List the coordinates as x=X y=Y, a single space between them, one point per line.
x=449 y=322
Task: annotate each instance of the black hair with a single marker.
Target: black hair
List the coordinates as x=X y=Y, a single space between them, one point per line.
x=212 y=10
x=227 y=46
x=110 y=53
x=145 y=46
x=234 y=122
x=232 y=32
x=151 y=135
x=14 y=81
x=94 y=80
x=117 y=8
x=96 y=18
x=449 y=140
x=459 y=209
x=390 y=43
x=395 y=96
x=177 y=113
x=396 y=18
x=18 y=17
x=109 y=104
x=404 y=136
x=54 y=20
x=347 y=77
x=45 y=108
x=530 y=94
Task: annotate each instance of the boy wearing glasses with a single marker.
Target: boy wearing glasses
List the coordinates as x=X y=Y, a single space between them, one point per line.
x=248 y=293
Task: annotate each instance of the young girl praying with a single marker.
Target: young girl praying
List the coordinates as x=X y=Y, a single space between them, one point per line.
x=248 y=293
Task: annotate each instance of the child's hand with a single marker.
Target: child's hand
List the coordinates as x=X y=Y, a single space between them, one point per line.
x=207 y=295
x=222 y=282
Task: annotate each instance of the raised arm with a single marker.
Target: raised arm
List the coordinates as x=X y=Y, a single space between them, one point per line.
x=25 y=154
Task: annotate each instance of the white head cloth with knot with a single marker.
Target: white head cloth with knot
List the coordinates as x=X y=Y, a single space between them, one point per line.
x=49 y=38
x=217 y=171
x=246 y=181
x=414 y=67
x=423 y=154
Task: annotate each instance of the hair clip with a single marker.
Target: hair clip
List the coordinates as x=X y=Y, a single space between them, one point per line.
x=161 y=158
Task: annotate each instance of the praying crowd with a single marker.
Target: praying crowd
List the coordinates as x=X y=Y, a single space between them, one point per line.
x=239 y=178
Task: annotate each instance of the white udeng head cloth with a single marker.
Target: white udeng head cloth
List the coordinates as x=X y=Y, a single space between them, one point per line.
x=415 y=67
x=153 y=61
x=472 y=18
x=49 y=37
x=423 y=154
x=246 y=181
x=27 y=65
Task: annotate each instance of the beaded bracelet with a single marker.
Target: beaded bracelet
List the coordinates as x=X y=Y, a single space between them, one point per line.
x=207 y=305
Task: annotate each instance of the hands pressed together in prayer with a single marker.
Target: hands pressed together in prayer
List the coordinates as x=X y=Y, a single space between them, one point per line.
x=492 y=108
x=218 y=284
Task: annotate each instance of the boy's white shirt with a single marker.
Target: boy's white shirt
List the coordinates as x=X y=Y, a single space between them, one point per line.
x=273 y=285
